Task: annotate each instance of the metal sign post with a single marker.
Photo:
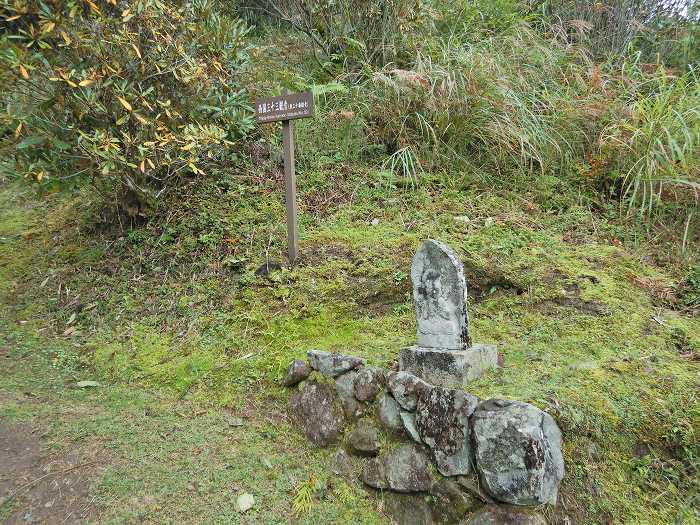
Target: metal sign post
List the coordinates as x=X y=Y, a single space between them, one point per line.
x=287 y=108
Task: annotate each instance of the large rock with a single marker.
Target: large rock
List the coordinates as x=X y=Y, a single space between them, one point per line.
x=317 y=410
x=442 y=419
x=407 y=469
x=518 y=452
x=440 y=295
x=389 y=413
x=408 y=509
x=504 y=515
x=450 y=501
x=369 y=382
x=374 y=474
x=405 y=388
x=343 y=466
x=297 y=372
x=332 y=365
x=403 y=469
x=364 y=440
x=344 y=388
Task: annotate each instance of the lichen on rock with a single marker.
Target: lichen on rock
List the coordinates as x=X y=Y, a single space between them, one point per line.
x=442 y=419
x=318 y=411
x=405 y=388
x=332 y=365
x=518 y=452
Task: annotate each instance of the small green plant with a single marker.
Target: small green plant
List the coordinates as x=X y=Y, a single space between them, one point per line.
x=66 y=360
x=400 y=276
x=404 y=165
x=304 y=496
x=345 y=493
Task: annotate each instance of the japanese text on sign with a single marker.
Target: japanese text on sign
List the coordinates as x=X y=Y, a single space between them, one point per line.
x=285 y=107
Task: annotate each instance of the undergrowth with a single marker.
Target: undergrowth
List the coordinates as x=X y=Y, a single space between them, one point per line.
x=512 y=146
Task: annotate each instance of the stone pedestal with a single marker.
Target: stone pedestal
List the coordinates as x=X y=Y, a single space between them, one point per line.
x=448 y=368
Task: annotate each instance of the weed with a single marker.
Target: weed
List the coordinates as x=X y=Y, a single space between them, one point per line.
x=303 y=496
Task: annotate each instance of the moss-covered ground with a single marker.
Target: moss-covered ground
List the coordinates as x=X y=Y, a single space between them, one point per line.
x=183 y=332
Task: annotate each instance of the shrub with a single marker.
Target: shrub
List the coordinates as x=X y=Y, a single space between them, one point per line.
x=509 y=101
x=617 y=27
x=655 y=144
x=351 y=32
x=130 y=95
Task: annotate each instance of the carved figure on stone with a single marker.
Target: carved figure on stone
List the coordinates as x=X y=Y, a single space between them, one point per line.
x=440 y=295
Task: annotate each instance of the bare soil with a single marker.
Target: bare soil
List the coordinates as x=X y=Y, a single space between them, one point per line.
x=37 y=486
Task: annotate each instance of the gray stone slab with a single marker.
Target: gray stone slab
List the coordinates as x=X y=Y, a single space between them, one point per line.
x=409 y=424
x=448 y=368
x=440 y=296
x=332 y=365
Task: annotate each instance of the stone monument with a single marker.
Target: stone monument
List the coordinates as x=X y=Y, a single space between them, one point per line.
x=444 y=355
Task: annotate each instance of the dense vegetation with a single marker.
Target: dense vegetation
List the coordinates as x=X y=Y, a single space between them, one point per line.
x=130 y=97
x=555 y=146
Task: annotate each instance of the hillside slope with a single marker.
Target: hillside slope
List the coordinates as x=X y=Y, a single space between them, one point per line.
x=587 y=327
x=516 y=149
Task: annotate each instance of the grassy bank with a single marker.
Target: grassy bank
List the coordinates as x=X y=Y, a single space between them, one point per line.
x=591 y=329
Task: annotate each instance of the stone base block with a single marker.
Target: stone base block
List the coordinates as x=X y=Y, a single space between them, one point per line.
x=448 y=368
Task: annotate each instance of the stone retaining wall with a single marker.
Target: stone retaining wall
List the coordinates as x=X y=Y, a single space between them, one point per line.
x=442 y=455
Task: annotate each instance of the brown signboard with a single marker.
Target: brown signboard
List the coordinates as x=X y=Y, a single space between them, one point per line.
x=285 y=107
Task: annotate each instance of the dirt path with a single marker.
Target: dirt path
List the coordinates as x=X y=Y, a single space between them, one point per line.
x=37 y=486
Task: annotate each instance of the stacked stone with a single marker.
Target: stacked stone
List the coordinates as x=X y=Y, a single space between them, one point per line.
x=514 y=448
x=439 y=438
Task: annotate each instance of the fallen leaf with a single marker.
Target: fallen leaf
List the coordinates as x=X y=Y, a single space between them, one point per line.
x=23 y=72
x=125 y=104
x=93 y=6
